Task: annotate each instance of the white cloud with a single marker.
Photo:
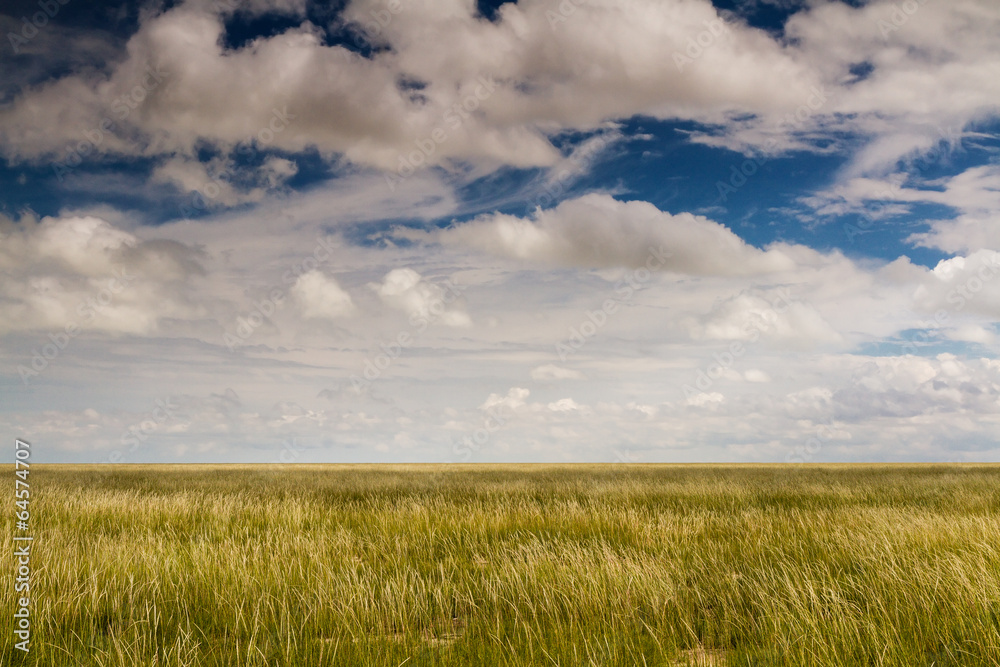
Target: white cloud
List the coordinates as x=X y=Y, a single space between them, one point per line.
x=84 y=273
x=627 y=380
x=493 y=92
x=972 y=333
x=514 y=399
x=973 y=193
x=277 y=170
x=931 y=69
x=321 y=297
x=597 y=231
x=564 y=405
x=961 y=287
x=551 y=373
x=406 y=290
x=704 y=399
x=750 y=317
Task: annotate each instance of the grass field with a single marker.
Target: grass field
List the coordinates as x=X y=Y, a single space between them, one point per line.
x=512 y=565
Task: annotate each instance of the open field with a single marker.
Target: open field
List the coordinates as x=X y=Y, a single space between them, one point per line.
x=512 y=565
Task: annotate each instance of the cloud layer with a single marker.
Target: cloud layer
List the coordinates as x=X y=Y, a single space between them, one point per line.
x=408 y=231
x=496 y=90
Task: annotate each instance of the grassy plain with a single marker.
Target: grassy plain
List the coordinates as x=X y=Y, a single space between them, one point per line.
x=512 y=565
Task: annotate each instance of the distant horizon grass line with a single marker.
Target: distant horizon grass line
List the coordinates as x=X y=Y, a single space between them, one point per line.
x=473 y=464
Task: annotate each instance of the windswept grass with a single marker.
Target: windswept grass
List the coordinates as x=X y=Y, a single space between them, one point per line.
x=513 y=565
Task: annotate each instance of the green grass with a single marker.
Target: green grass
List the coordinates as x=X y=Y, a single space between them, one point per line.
x=512 y=565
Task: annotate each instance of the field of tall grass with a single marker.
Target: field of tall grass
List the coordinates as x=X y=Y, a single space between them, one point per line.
x=512 y=565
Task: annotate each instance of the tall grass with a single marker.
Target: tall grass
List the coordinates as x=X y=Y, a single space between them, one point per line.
x=513 y=565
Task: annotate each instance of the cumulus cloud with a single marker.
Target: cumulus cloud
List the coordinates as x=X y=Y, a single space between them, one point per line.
x=423 y=300
x=597 y=231
x=750 y=316
x=929 y=68
x=972 y=333
x=83 y=272
x=903 y=79
x=320 y=297
x=911 y=387
x=564 y=405
x=495 y=90
x=514 y=399
x=178 y=87
x=961 y=287
x=706 y=399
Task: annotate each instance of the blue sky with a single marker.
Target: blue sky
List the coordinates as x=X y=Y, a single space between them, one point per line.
x=434 y=230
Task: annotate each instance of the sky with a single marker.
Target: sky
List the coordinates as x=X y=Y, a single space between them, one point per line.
x=282 y=231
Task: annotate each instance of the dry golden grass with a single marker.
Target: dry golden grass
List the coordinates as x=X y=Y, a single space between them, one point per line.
x=513 y=565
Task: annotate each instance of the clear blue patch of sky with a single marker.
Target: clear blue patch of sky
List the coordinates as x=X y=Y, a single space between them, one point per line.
x=758 y=14
x=114 y=16
x=488 y=8
x=37 y=187
x=26 y=187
